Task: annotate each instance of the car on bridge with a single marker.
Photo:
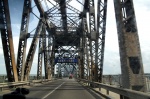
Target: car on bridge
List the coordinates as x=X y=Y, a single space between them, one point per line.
x=70 y=76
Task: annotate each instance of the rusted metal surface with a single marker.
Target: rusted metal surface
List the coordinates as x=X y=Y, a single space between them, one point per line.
x=96 y=26
x=129 y=46
x=23 y=39
x=40 y=55
x=7 y=41
x=49 y=26
x=32 y=50
x=79 y=35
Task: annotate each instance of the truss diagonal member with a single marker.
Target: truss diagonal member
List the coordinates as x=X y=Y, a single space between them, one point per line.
x=72 y=21
x=63 y=12
x=7 y=41
x=23 y=39
x=56 y=7
x=73 y=9
x=42 y=13
x=32 y=50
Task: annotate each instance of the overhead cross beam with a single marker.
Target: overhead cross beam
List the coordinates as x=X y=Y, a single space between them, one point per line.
x=62 y=5
x=56 y=7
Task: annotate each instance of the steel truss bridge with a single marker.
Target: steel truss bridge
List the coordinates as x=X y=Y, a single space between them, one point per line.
x=72 y=39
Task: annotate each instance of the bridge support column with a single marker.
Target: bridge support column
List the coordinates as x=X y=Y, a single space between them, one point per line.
x=129 y=46
x=80 y=62
x=7 y=41
x=23 y=39
x=96 y=25
x=30 y=56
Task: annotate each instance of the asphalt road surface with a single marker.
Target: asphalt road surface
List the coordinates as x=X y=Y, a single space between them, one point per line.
x=61 y=89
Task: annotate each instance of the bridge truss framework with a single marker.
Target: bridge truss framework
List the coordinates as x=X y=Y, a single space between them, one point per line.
x=64 y=31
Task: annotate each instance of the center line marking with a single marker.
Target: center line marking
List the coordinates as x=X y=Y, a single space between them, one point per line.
x=52 y=91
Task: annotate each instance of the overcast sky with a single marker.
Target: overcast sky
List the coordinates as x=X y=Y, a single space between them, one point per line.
x=111 y=56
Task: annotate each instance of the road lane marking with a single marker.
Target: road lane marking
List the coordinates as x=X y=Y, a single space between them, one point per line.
x=52 y=91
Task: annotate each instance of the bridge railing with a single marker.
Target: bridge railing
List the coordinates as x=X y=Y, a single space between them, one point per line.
x=21 y=83
x=131 y=94
x=116 y=80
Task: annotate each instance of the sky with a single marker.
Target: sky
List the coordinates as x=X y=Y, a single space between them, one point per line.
x=111 y=55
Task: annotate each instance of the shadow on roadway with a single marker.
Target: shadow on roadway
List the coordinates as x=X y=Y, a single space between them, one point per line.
x=95 y=95
x=1 y=97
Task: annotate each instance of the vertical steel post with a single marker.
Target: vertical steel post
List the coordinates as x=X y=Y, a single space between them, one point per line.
x=45 y=54
x=96 y=35
x=52 y=58
x=81 y=66
x=129 y=46
x=7 y=41
x=32 y=50
x=100 y=41
x=40 y=54
x=23 y=39
x=50 y=41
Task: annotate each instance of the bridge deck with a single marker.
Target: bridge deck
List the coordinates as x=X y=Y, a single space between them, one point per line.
x=61 y=89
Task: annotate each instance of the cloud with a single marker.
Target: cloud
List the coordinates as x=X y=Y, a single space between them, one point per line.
x=111 y=62
x=142 y=11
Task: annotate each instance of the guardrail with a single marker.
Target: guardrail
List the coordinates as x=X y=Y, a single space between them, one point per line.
x=130 y=94
x=21 y=83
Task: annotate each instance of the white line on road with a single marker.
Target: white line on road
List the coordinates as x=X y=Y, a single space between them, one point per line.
x=52 y=91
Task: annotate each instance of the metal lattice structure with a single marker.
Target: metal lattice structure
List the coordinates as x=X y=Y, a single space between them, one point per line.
x=7 y=41
x=72 y=39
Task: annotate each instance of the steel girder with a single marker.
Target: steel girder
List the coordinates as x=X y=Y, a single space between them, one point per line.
x=32 y=50
x=43 y=51
x=46 y=66
x=48 y=24
x=69 y=52
x=7 y=41
x=40 y=54
x=73 y=9
x=129 y=46
x=81 y=57
x=87 y=60
x=62 y=5
x=49 y=53
x=50 y=27
x=59 y=15
x=56 y=7
x=23 y=39
x=85 y=50
x=96 y=25
x=52 y=58
x=101 y=25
